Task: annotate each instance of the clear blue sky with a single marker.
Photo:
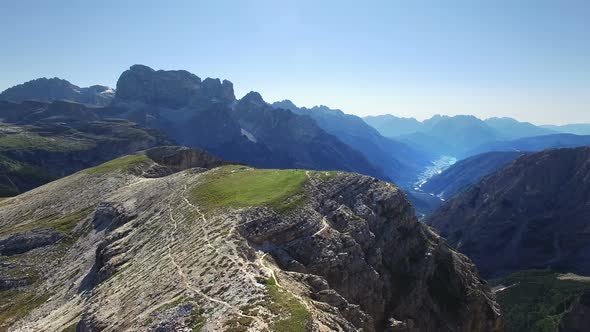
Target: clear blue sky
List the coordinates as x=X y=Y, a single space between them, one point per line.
x=529 y=59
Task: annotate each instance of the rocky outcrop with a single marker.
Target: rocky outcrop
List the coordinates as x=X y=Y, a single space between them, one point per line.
x=48 y=90
x=179 y=158
x=361 y=250
x=309 y=251
x=21 y=242
x=531 y=214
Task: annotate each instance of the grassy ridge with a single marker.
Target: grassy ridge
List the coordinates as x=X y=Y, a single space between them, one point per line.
x=64 y=224
x=237 y=187
x=33 y=141
x=16 y=304
x=119 y=164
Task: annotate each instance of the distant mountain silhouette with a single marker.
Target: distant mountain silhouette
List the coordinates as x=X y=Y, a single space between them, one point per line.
x=439 y=135
x=50 y=89
x=392 y=126
x=509 y=128
x=536 y=143
x=463 y=136
x=399 y=161
x=575 y=128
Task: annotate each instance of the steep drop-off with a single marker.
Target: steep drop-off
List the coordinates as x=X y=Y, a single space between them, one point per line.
x=531 y=214
x=139 y=243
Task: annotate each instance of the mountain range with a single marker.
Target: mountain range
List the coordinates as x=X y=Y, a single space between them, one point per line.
x=50 y=89
x=168 y=204
x=463 y=136
x=399 y=161
x=205 y=114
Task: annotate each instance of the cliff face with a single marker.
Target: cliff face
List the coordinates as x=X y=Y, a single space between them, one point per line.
x=171 y=89
x=145 y=245
x=531 y=214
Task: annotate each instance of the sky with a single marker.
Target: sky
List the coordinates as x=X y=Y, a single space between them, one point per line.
x=527 y=59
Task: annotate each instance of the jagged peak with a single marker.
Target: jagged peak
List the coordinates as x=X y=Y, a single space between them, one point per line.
x=286 y=104
x=253 y=97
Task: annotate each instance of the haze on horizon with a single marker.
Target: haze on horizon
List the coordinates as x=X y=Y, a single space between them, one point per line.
x=528 y=60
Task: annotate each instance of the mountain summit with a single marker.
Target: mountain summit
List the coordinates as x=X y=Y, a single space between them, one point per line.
x=170 y=88
x=50 y=89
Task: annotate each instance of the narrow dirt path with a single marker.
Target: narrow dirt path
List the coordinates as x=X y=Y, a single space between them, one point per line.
x=326 y=225
x=180 y=271
x=276 y=281
x=184 y=277
x=202 y=224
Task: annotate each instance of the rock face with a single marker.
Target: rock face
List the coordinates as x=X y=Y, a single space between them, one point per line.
x=461 y=175
x=287 y=250
x=171 y=89
x=206 y=115
x=21 y=242
x=295 y=141
x=52 y=89
x=531 y=214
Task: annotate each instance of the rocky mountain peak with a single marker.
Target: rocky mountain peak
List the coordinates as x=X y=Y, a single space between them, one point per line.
x=253 y=97
x=218 y=90
x=137 y=68
x=285 y=104
x=170 y=88
x=51 y=89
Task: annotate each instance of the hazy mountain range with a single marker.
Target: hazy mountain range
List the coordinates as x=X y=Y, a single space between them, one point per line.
x=463 y=136
x=269 y=226
x=206 y=114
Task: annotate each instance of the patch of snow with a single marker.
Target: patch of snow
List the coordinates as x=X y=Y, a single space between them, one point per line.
x=109 y=91
x=248 y=135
